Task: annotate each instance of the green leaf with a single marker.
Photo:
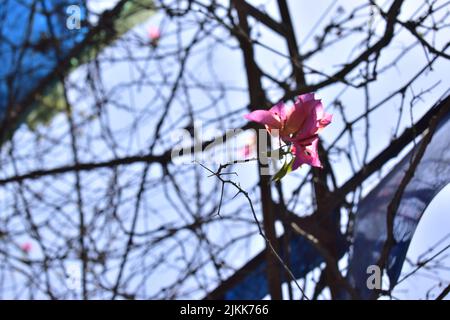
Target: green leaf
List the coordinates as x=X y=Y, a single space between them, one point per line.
x=285 y=169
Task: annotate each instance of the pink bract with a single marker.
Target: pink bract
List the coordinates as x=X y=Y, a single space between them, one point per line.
x=26 y=247
x=298 y=125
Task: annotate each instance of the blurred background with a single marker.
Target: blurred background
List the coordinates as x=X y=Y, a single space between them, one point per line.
x=93 y=95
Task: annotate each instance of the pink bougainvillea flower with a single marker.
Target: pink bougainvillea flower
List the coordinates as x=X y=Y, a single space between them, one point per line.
x=302 y=120
x=298 y=126
x=154 y=34
x=26 y=247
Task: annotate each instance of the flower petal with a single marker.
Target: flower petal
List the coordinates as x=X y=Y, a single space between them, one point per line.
x=279 y=110
x=323 y=117
x=264 y=117
x=326 y=120
x=306 y=97
x=307 y=155
x=309 y=126
x=295 y=118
